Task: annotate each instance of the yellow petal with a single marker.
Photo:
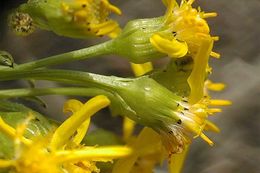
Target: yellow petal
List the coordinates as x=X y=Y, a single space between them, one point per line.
x=124 y=165
x=211 y=127
x=128 y=128
x=215 y=38
x=170 y=4
x=197 y=76
x=93 y=154
x=141 y=69
x=147 y=142
x=72 y=106
x=220 y=102
x=115 y=33
x=214 y=110
x=11 y=132
x=173 y=48
x=5 y=128
x=112 y=7
x=177 y=161
x=68 y=128
x=105 y=27
x=81 y=131
x=208 y=15
x=214 y=86
x=190 y=2
x=205 y=138
x=215 y=54
x=6 y=163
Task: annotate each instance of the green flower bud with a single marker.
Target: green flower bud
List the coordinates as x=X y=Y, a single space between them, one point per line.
x=149 y=103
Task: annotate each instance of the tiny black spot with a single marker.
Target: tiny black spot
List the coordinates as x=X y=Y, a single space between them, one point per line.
x=36 y=119
x=89 y=29
x=174 y=33
x=185 y=101
x=179 y=121
x=83 y=5
x=143 y=28
x=186 y=109
x=170 y=132
x=178 y=104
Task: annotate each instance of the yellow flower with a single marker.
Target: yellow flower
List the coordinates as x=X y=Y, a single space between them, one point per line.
x=61 y=151
x=73 y=18
x=185 y=28
x=186 y=33
x=93 y=15
x=148 y=151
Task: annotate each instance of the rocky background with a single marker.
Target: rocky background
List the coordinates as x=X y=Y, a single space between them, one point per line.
x=237 y=147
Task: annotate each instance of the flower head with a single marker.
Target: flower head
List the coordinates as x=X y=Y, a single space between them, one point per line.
x=148 y=151
x=61 y=150
x=182 y=32
x=184 y=25
x=187 y=26
x=73 y=18
x=21 y=23
x=149 y=103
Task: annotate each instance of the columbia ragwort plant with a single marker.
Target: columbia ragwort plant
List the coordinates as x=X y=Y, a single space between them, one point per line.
x=172 y=103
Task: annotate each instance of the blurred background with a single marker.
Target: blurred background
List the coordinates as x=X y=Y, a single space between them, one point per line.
x=237 y=147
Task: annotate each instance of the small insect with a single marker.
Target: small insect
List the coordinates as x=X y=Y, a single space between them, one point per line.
x=21 y=23
x=6 y=59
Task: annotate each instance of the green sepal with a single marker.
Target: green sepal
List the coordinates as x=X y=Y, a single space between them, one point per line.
x=134 y=41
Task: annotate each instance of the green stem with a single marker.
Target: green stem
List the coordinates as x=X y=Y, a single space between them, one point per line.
x=70 y=77
x=73 y=91
x=90 y=52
